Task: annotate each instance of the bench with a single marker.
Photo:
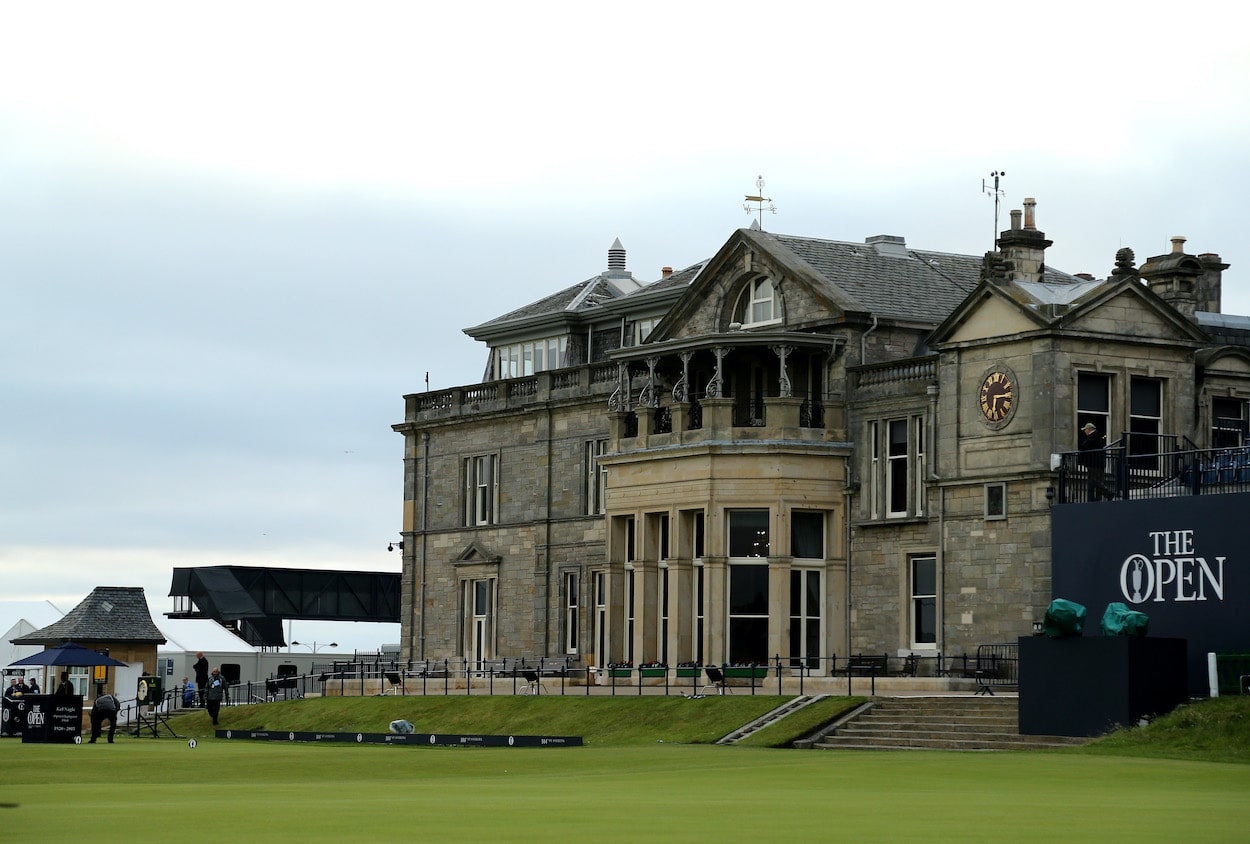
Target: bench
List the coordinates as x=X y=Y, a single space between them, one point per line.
x=875 y=664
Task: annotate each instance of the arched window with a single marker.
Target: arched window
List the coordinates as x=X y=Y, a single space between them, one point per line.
x=758 y=304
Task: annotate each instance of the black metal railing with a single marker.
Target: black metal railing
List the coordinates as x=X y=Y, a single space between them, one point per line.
x=850 y=674
x=1117 y=472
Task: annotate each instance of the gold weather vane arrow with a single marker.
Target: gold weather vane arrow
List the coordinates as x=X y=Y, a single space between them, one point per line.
x=759 y=199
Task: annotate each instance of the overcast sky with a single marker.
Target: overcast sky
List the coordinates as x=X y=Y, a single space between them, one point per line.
x=232 y=237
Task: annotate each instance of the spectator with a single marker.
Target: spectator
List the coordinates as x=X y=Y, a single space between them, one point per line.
x=12 y=691
x=104 y=709
x=33 y=686
x=215 y=694
x=1093 y=459
x=201 y=674
x=188 y=692
x=66 y=688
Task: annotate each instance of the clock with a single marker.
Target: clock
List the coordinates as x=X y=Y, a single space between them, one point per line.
x=997 y=398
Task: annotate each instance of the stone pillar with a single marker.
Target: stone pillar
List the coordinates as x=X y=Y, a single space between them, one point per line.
x=646 y=424
x=779 y=608
x=681 y=610
x=715 y=612
x=783 y=415
x=646 y=611
x=718 y=416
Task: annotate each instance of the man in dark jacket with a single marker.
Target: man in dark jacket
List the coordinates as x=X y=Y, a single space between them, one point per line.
x=104 y=709
x=201 y=674
x=1093 y=459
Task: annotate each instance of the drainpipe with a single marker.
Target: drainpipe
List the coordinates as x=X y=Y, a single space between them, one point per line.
x=425 y=524
x=933 y=391
x=863 y=341
x=850 y=505
x=547 y=540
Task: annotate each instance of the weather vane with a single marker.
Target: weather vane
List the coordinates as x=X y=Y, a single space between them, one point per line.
x=998 y=195
x=759 y=199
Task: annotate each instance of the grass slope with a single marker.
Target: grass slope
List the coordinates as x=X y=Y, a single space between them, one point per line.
x=600 y=720
x=1216 y=730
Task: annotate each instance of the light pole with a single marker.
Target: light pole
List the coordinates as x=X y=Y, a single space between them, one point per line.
x=315 y=645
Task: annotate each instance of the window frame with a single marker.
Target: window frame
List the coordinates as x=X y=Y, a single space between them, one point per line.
x=1089 y=411
x=481 y=490
x=750 y=299
x=596 y=478
x=996 y=501
x=918 y=600
x=572 y=612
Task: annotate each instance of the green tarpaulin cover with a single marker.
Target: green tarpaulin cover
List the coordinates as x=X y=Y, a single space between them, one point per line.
x=1063 y=618
x=1119 y=620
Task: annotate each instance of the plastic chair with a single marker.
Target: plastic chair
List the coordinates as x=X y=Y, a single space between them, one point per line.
x=396 y=683
x=533 y=683
x=715 y=680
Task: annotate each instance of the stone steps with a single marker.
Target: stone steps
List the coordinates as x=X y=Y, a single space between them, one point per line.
x=945 y=723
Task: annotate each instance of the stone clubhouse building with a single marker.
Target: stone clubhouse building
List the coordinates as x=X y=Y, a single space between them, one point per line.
x=799 y=448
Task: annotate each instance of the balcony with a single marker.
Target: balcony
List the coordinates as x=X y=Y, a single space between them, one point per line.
x=1120 y=473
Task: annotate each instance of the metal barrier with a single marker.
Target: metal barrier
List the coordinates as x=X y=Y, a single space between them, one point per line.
x=997 y=665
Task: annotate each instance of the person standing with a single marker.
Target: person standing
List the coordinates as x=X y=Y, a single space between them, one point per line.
x=66 y=688
x=215 y=694
x=1093 y=459
x=104 y=709
x=34 y=686
x=201 y=674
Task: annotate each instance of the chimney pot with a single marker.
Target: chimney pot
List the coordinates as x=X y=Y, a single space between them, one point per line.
x=1030 y=214
x=665 y=272
x=1178 y=245
x=1015 y=219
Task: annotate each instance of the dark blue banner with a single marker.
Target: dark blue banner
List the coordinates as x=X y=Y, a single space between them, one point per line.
x=419 y=739
x=1184 y=562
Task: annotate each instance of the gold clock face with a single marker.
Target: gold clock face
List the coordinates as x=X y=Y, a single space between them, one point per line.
x=998 y=396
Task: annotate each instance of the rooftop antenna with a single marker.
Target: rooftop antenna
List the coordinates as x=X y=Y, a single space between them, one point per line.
x=997 y=193
x=759 y=199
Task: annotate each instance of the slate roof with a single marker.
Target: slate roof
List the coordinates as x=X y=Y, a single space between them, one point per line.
x=894 y=282
x=108 y=614
x=585 y=296
x=1225 y=329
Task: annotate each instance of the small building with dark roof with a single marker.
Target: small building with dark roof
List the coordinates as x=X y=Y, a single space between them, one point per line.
x=112 y=619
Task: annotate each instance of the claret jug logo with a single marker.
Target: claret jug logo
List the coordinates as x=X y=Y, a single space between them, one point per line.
x=1173 y=572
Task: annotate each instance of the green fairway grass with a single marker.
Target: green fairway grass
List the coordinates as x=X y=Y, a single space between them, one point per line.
x=648 y=772
x=297 y=792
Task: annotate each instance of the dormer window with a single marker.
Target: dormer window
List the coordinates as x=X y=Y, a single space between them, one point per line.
x=758 y=304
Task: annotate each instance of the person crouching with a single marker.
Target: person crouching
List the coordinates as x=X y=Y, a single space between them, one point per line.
x=104 y=709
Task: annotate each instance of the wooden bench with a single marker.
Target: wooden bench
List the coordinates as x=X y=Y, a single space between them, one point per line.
x=875 y=664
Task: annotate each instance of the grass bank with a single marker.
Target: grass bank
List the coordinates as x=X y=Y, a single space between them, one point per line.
x=607 y=721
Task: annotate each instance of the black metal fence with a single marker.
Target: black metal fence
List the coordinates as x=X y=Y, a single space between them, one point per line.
x=1121 y=472
x=991 y=665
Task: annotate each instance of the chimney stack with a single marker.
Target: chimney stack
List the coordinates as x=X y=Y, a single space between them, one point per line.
x=665 y=272
x=1024 y=247
x=1186 y=282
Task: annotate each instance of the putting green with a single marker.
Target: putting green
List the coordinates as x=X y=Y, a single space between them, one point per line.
x=665 y=792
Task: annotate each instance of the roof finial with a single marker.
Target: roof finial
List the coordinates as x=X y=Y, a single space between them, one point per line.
x=759 y=199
